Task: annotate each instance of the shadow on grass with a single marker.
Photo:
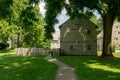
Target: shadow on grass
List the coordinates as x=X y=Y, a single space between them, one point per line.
x=25 y=68
x=94 y=68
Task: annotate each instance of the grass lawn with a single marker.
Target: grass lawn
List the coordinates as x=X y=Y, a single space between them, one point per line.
x=14 y=67
x=94 y=68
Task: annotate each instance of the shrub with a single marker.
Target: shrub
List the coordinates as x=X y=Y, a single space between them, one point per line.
x=113 y=48
x=3 y=46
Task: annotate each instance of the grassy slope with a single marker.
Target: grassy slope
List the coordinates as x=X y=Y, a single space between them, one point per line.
x=25 y=68
x=94 y=68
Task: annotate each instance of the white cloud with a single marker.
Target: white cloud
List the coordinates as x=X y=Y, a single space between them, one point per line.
x=42 y=9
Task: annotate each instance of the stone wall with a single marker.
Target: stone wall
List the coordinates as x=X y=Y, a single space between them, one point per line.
x=78 y=37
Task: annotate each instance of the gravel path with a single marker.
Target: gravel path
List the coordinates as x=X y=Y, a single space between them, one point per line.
x=65 y=72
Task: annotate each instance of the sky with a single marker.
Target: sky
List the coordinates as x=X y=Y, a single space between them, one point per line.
x=62 y=17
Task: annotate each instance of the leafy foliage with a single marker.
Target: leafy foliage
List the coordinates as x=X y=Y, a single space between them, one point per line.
x=24 y=24
x=32 y=26
x=52 y=11
x=5 y=31
x=5 y=8
x=98 y=22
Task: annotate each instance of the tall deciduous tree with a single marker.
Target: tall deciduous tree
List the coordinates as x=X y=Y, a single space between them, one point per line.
x=32 y=26
x=108 y=9
x=5 y=31
x=24 y=20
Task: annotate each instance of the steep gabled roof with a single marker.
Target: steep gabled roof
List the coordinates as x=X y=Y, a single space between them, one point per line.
x=77 y=18
x=64 y=23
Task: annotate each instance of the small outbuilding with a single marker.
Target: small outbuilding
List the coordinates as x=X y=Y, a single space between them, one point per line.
x=78 y=37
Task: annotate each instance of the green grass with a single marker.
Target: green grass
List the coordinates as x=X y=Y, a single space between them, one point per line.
x=14 y=67
x=94 y=68
x=116 y=55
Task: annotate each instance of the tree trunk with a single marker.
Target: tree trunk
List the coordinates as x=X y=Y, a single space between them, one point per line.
x=107 y=36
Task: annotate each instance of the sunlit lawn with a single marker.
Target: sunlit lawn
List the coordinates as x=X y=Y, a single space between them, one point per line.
x=94 y=68
x=116 y=55
x=14 y=67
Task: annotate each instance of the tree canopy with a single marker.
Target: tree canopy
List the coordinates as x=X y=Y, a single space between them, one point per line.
x=5 y=8
x=98 y=22
x=23 y=24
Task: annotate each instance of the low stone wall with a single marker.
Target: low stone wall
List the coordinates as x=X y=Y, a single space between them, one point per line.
x=30 y=51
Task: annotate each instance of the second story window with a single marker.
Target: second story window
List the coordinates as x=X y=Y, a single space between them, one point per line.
x=88 y=31
x=89 y=47
x=71 y=47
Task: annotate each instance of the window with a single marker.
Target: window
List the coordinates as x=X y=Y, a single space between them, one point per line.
x=71 y=47
x=78 y=41
x=88 y=31
x=118 y=32
x=115 y=38
x=89 y=47
x=116 y=26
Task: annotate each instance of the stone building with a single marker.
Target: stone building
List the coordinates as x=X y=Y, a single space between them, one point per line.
x=78 y=37
x=115 y=37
